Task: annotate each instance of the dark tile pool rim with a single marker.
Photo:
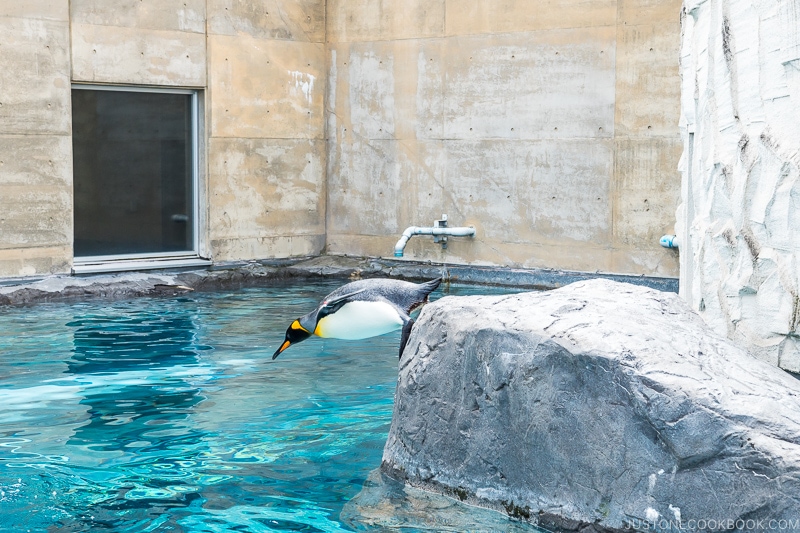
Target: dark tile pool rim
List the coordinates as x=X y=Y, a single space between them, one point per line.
x=226 y=276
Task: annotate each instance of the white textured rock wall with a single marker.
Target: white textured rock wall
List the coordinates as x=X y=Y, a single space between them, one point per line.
x=740 y=212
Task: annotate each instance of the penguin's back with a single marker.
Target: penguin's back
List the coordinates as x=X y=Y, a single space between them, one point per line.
x=404 y=294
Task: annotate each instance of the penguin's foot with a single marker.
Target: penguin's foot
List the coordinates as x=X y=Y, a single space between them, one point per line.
x=405 y=335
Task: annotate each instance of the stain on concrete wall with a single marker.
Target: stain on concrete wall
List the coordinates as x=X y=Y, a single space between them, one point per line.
x=266 y=128
x=550 y=127
x=35 y=146
x=740 y=217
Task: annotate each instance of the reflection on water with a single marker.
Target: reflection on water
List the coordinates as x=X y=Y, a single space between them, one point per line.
x=169 y=415
x=133 y=349
x=140 y=402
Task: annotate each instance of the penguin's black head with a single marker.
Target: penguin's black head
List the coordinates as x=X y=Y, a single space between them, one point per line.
x=296 y=333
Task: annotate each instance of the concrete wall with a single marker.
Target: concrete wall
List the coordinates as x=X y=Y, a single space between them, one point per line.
x=266 y=128
x=35 y=138
x=334 y=124
x=550 y=127
x=260 y=65
x=262 y=62
x=740 y=214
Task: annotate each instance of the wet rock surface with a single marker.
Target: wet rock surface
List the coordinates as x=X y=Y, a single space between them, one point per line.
x=165 y=283
x=385 y=504
x=598 y=406
x=258 y=273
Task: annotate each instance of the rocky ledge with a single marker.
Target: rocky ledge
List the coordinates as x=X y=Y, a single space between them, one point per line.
x=226 y=276
x=597 y=406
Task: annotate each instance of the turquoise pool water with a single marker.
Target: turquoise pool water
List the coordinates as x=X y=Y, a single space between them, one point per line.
x=168 y=414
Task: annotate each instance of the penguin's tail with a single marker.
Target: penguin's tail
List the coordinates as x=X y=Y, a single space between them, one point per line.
x=429 y=286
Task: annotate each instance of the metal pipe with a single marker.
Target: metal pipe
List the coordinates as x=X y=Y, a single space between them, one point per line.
x=417 y=230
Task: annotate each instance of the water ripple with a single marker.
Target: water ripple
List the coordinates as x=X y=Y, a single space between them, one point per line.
x=169 y=414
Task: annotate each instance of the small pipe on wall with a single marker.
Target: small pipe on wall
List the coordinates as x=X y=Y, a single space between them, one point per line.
x=670 y=241
x=440 y=231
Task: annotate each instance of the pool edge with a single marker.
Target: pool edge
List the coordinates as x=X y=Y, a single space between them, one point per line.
x=221 y=276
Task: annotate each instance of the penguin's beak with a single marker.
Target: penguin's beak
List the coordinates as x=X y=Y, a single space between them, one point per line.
x=296 y=333
x=285 y=345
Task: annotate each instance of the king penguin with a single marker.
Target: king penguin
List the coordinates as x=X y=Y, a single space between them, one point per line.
x=362 y=309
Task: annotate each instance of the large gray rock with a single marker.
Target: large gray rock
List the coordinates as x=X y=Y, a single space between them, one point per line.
x=601 y=405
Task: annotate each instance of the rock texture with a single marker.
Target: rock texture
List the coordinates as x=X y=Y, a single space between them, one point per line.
x=599 y=404
x=739 y=219
x=23 y=291
x=386 y=505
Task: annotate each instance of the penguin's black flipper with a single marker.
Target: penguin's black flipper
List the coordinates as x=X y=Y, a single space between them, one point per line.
x=405 y=335
x=329 y=307
x=336 y=301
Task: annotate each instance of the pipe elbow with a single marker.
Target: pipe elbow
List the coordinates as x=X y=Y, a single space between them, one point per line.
x=401 y=244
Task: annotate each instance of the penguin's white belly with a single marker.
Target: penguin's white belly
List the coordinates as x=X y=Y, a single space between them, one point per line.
x=360 y=320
